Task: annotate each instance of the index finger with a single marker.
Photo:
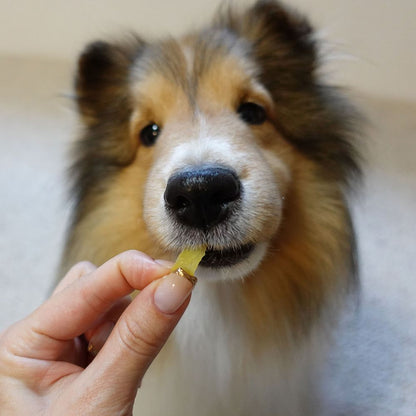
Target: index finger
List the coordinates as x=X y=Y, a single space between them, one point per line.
x=71 y=311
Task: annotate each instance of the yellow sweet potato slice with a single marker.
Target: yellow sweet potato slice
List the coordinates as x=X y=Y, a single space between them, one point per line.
x=189 y=259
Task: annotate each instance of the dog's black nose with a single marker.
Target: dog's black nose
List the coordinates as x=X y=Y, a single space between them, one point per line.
x=202 y=197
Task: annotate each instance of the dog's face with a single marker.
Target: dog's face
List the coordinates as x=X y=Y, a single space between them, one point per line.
x=219 y=168
x=203 y=140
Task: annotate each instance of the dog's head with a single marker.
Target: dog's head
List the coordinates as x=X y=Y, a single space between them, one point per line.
x=203 y=140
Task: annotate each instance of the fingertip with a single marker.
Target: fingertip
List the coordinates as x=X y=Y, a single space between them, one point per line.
x=78 y=270
x=84 y=267
x=172 y=292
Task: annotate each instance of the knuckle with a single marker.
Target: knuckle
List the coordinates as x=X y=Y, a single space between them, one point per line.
x=131 y=264
x=139 y=337
x=7 y=352
x=94 y=300
x=129 y=258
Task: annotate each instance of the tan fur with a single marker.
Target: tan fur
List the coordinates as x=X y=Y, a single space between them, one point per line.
x=304 y=259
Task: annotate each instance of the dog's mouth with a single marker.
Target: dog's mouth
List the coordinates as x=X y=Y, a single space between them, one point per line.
x=216 y=259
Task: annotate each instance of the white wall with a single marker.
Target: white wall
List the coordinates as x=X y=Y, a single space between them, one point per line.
x=375 y=38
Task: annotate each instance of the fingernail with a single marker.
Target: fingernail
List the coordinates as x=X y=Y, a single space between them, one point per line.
x=173 y=290
x=99 y=337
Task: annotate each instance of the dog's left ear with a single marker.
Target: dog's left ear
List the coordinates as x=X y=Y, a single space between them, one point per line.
x=282 y=41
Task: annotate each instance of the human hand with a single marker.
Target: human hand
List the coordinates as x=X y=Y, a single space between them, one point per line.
x=45 y=367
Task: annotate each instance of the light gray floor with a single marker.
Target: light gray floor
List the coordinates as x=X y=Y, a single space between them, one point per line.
x=372 y=370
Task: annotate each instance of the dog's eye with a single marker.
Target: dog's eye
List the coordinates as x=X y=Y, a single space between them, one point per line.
x=252 y=113
x=149 y=134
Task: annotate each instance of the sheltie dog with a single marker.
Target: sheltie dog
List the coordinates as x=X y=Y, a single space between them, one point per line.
x=228 y=138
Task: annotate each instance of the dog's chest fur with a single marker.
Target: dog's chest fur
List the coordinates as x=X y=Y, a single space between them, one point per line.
x=213 y=366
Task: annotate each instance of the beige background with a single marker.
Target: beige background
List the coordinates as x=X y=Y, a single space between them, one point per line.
x=373 y=39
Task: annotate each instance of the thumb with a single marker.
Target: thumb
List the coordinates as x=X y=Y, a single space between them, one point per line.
x=138 y=336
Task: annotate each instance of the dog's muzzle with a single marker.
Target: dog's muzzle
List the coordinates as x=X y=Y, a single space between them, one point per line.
x=202 y=197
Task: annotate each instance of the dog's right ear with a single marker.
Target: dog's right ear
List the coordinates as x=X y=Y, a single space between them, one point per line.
x=101 y=81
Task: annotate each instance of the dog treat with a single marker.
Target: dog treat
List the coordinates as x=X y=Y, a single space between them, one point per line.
x=189 y=259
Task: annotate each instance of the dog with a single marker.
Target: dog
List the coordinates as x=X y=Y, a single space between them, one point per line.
x=228 y=138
